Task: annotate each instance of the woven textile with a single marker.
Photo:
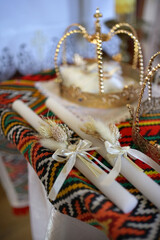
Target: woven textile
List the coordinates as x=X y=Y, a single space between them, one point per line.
x=78 y=197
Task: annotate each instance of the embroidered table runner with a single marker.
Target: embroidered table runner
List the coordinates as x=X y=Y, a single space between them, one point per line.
x=78 y=197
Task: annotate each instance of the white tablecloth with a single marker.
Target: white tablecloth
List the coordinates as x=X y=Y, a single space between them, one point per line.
x=49 y=224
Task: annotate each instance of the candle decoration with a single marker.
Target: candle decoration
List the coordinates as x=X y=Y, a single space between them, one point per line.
x=109 y=134
x=75 y=155
x=149 y=188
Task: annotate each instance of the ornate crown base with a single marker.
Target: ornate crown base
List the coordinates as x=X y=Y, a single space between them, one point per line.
x=108 y=100
x=105 y=100
x=151 y=150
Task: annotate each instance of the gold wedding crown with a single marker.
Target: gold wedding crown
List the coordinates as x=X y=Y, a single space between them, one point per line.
x=73 y=78
x=150 y=105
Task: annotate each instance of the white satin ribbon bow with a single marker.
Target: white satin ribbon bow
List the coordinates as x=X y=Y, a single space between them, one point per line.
x=120 y=152
x=70 y=155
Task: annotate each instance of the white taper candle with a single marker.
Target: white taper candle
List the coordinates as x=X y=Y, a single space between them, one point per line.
x=115 y=192
x=27 y=113
x=111 y=191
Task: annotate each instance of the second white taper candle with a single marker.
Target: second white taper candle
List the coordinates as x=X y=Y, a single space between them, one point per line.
x=149 y=188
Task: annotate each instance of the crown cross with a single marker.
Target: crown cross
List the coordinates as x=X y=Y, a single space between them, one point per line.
x=98 y=14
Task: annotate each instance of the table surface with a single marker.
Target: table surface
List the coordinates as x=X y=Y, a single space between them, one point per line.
x=78 y=197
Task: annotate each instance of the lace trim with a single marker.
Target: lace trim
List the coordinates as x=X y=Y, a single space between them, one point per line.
x=36 y=52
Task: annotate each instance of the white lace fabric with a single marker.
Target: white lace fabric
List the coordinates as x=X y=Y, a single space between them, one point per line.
x=30 y=31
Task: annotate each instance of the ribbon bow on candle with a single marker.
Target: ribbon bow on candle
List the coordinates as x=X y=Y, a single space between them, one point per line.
x=116 y=149
x=120 y=152
x=110 y=135
x=70 y=154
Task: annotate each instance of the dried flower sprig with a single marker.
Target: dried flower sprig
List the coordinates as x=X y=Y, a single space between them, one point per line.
x=53 y=135
x=103 y=131
x=50 y=129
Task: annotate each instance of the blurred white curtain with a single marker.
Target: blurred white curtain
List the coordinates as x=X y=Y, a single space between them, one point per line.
x=30 y=30
x=151 y=44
